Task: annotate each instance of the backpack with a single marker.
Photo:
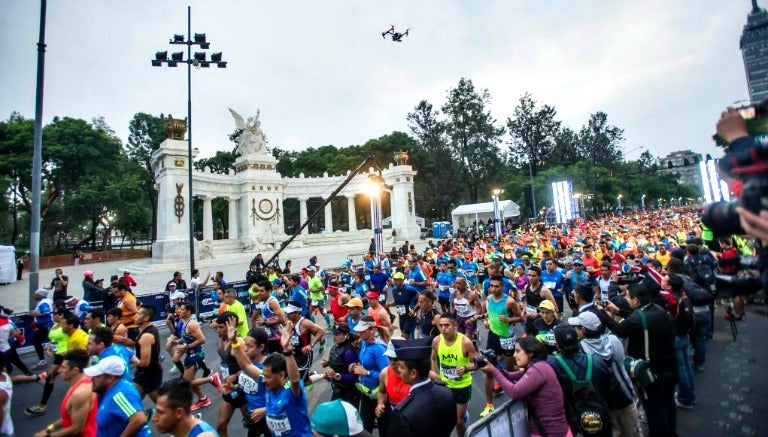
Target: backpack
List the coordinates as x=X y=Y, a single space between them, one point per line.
x=696 y=293
x=703 y=275
x=589 y=413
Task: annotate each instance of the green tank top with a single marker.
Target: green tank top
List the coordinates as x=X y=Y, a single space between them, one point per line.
x=59 y=339
x=495 y=309
x=449 y=358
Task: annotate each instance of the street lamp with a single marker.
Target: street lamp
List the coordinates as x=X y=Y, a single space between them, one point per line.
x=642 y=201
x=199 y=59
x=496 y=216
x=579 y=202
x=374 y=187
x=618 y=200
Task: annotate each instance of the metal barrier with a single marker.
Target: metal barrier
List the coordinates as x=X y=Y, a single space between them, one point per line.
x=356 y=258
x=205 y=303
x=511 y=419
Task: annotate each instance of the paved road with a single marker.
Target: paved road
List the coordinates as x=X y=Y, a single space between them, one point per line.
x=732 y=391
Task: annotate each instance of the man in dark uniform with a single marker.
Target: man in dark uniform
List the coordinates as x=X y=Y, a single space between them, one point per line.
x=429 y=408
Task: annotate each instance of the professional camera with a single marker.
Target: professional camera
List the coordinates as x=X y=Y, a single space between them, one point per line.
x=486 y=356
x=749 y=164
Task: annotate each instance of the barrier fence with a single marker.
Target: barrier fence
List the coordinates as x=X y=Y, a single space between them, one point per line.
x=204 y=302
x=511 y=419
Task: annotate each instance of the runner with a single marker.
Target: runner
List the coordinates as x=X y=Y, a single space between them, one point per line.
x=60 y=339
x=43 y=318
x=286 y=401
x=120 y=409
x=453 y=356
x=249 y=354
x=405 y=300
x=172 y=412
x=79 y=406
x=128 y=306
x=191 y=344
x=303 y=335
x=465 y=305
x=317 y=297
x=149 y=372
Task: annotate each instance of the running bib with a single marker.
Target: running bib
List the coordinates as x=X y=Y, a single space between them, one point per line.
x=507 y=343
x=530 y=309
x=279 y=425
x=295 y=340
x=315 y=303
x=224 y=371
x=444 y=287
x=400 y=309
x=551 y=285
x=449 y=372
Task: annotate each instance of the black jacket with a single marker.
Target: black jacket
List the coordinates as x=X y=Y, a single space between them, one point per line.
x=429 y=410
x=661 y=337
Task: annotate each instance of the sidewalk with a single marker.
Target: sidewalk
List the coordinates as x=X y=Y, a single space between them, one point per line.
x=152 y=277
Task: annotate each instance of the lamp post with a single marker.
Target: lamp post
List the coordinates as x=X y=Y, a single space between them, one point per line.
x=642 y=201
x=618 y=202
x=374 y=187
x=578 y=198
x=533 y=191
x=199 y=59
x=37 y=164
x=496 y=214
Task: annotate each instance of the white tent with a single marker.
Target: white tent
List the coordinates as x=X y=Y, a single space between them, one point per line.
x=7 y=264
x=465 y=215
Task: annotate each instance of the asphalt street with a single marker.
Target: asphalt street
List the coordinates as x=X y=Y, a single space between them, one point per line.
x=731 y=392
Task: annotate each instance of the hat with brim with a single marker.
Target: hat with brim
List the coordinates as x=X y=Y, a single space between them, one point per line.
x=291 y=308
x=547 y=305
x=178 y=295
x=337 y=418
x=364 y=326
x=398 y=275
x=372 y=295
x=112 y=365
x=586 y=319
x=355 y=302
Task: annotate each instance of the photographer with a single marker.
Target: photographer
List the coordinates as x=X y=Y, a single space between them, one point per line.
x=535 y=383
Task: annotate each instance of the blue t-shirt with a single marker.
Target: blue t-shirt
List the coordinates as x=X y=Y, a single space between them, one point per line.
x=116 y=407
x=379 y=281
x=444 y=281
x=553 y=281
x=255 y=391
x=44 y=307
x=124 y=353
x=200 y=428
x=417 y=275
x=287 y=414
x=299 y=295
x=372 y=358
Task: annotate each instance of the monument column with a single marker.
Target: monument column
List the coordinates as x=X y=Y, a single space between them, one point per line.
x=303 y=214
x=351 y=213
x=328 y=218
x=207 y=219
x=233 y=217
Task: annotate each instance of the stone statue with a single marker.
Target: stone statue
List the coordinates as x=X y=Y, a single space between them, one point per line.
x=251 y=139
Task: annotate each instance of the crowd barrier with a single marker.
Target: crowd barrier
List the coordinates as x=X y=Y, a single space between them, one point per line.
x=511 y=419
x=206 y=306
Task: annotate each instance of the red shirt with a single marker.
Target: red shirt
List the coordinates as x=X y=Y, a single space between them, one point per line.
x=338 y=310
x=397 y=390
x=90 y=421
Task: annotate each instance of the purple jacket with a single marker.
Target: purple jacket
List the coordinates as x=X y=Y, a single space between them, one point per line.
x=538 y=386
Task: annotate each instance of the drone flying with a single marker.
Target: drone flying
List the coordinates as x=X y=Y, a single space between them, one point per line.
x=396 y=36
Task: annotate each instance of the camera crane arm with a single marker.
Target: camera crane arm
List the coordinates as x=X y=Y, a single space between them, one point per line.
x=368 y=162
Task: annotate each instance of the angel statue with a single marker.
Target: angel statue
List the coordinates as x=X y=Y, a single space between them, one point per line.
x=251 y=139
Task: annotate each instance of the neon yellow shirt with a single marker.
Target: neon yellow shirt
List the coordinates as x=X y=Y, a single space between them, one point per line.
x=242 y=319
x=316 y=290
x=449 y=358
x=59 y=339
x=78 y=340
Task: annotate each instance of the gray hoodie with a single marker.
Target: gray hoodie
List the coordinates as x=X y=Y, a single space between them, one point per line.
x=610 y=348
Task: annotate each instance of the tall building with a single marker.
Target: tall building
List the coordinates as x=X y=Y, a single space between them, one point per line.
x=684 y=165
x=754 y=50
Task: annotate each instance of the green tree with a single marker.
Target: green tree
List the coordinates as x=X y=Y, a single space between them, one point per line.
x=16 y=140
x=220 y=163
x=146 y=132
x=599 y=141
x=473 y=136
x=533 y=132
x=566 y=149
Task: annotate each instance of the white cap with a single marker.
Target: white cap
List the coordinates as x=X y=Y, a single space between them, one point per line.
x=390 y=352
x=178 y=295
x=586 y=319
x=364 y=326
x=112 y=365
x=290 y=308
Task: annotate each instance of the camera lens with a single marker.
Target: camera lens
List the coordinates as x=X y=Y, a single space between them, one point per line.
x=722 y=218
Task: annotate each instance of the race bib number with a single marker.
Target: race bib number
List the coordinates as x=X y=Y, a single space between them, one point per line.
x=449 y=372
x=295 y=340
x=547 y=338
x=224 y=371
x=367 y=277
x=279 y=425
x=400 y=309
x=507 y=343
x=551 y=285
x=530 y=309
x=444 y=288
x=315 y=303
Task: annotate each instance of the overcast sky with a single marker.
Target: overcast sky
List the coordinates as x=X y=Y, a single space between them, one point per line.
x=321 y=74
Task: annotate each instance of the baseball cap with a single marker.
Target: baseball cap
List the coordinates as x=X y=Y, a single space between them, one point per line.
x=346 y=263
x=336 y=418
x=292 y=307
x=578 y=261
x=355 y=302
x=87 y=273
x=311 y=269
x=171 y=284
x=547 y=305
x=587 y=320
x=364 y=326
x=42 y=292
x=178 y=295
x=112 y=365
x=390 y=352
x=372 y=295
x=398 y=275
x=277 y=281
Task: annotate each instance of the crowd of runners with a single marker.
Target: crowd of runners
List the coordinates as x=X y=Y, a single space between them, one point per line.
x=590 y=323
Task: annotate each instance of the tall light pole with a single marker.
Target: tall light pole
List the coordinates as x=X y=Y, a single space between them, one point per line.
x=579 y=203
x=496 y=212
x=198 y=60
x=374 y=188
x=533 y=191
x=37 y=164
x=618 y=200
x=642 y=202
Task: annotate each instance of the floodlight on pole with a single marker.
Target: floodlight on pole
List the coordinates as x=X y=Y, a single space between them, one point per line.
x=496 y=213
x=199 y=39
x=374 y=188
